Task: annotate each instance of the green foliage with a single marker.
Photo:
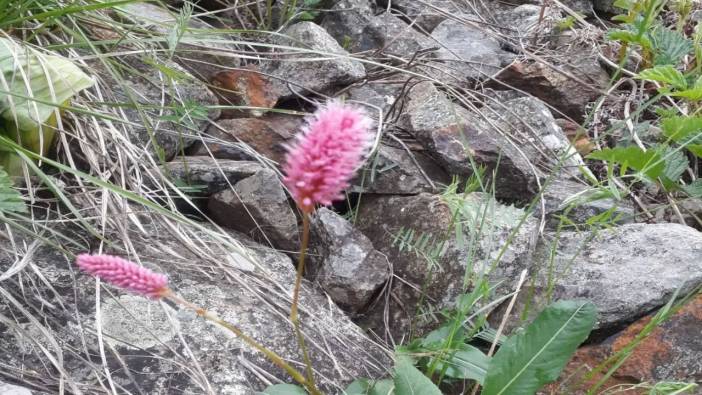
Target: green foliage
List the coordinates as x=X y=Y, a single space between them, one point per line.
x=179 y=28
x=370 y=387
x=649 y=163
x=666 y=74
x=10 y=199
x=536 y=356
x=669 y=46
x=411 y=381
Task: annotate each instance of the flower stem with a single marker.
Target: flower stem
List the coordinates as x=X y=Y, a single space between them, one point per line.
x=294 y=317
x=271 y=355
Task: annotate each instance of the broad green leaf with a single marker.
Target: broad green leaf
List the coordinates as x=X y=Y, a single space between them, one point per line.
x=666 y=74
x=370 y=387
x=622 y=35
x=692 y=94
x=696 y=149
x=648 y=162
x=669 y=46
x=410 y=381
x=686 y=131
x=537 y=355
x=465 y=363
x=10 y=199
x=284 y=389
x=436 y=339
x=33 y=84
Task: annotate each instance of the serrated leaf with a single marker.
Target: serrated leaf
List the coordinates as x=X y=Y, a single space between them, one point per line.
x=694 y=189
x=10 y=199
x=648 y=162
x=37 y=82
x=466 y=363
x=675 y=164
x=410 y=381
x=284 y=389
x=666 y=74
x=686 y=131
x=370 y=387
x=669 y=46
x=537 y=355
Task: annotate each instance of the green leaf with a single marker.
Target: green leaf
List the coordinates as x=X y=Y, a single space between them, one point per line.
x=37 y=82
x=537 y=355
x=625 y=36
x=410 y=381
x=466 y=363
x=10 y=199
x=648 y=162
x=370 y=387
x=675 y=164
x=284 y=389
x=686 y=131
x=696 y=149
x=694 y=189
x=666 y=74
x=669 y=46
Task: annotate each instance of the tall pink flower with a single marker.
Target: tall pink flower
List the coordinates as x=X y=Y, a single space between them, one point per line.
x=124 y=274
x=321 y=163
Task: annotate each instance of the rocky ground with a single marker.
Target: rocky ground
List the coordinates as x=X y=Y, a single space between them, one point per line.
x=453 y=88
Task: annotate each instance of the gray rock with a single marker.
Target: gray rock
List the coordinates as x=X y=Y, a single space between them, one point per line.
x=155 y=348
x=353 y=23
x=557 y=87
x=426 y=14
x=453 y=135
x=607 y=6
x=201 y=50
x=302 y=71
x=527 y=21
x=583 y=7
x=529 y=123
x=257 y=206
x=143 y=86
x=690 y=209
x=382 y=94
x=418 y=234
x=626 y=271
x=208 y=174
x=578 y=203
x=345 y=263
x=245 y=138
x=468 y=52
x=394 y=171
x=9 y=389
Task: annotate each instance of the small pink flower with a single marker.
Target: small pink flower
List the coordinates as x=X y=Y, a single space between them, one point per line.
x=323 y=160
x=124 y=274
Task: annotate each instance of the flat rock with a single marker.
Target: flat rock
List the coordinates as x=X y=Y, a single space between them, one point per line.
x=244 y=138
x=425 y=14
x=9 y=389
x=417 y=235
x=303 y=71
x=382 y=94
x=258 y=207
x=143 y=85
x=625 y=271
x=344 y=262
x=670 y=353
x=246 y=90
x=467 y=51
x=208 y=174
x=394 y=171
x=201 y=50
x=151 y=347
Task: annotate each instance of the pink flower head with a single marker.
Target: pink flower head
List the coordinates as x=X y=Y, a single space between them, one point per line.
x=124 y=274
x=321 y=163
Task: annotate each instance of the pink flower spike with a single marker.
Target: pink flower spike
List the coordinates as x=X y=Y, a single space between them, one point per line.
x=323 y=160
x=124 y=274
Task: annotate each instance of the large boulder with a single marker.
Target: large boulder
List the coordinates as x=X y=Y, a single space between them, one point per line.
x=56 y=326
x=625 y=271
x=434 y=244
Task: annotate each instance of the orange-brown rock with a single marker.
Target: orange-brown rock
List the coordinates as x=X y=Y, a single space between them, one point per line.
x=672 y=352
x=245 y=87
